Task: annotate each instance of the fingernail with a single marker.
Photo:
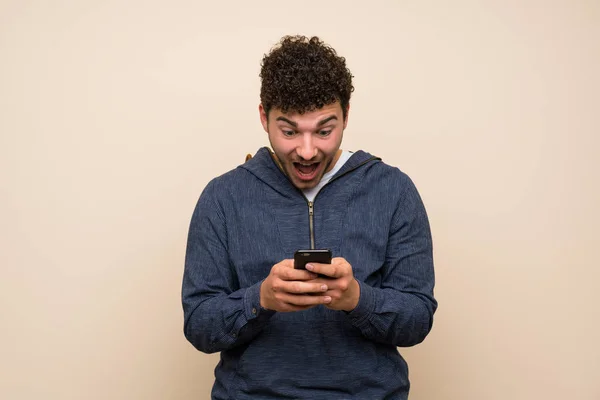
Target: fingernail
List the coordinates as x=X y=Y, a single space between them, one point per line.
x=309 y=267
x=327 y=299
x=324 y=288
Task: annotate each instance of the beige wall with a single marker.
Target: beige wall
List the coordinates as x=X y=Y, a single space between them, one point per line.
x=115 y=114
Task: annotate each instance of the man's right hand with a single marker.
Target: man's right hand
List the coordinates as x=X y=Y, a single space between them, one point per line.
x=286 y=289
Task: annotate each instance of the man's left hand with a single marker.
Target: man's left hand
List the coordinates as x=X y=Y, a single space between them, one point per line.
x=342 y=287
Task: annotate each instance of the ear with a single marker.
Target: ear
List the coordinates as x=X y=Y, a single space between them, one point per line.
x=347 y=114
x=264 y=120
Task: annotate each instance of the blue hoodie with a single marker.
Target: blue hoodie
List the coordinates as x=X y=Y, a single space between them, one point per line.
x=251 y=218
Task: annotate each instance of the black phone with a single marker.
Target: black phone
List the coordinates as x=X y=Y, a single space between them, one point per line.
x=303 y=257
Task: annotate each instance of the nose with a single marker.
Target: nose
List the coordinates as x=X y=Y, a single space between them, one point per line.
x=306 y=149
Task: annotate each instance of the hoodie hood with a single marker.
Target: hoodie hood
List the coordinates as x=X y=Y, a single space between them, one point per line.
x=264 y=168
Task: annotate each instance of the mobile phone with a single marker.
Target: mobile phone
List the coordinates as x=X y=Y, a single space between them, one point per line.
x=303 y=257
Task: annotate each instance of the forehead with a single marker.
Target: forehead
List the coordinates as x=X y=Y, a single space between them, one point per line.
x=308 y=119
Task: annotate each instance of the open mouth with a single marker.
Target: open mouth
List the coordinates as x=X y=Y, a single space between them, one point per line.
x=306 y=171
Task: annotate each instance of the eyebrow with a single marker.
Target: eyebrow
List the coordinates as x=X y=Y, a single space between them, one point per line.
x=284 y=119
x=326 y=120
x=295 y=125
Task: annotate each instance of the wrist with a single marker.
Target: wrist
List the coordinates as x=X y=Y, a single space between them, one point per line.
x=261 y=299
x=354 y=295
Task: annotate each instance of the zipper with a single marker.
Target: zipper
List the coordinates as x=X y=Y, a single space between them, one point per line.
x=311 y=211
x=311 y=204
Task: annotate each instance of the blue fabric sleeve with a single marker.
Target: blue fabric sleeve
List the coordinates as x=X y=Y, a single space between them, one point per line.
x=400 y=312
x=218 y=315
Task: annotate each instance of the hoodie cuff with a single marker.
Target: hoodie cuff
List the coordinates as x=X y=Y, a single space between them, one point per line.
x=366 y=304
x=252 y=308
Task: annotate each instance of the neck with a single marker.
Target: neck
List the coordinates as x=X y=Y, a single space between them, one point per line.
x=335 y=160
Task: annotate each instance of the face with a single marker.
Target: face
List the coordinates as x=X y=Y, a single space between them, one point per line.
x=306 y=145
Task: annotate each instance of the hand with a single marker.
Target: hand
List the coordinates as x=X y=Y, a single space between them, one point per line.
x=286 y=289
x=342 y=287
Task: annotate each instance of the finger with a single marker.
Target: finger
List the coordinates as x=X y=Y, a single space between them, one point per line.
x=300 y=287
x=332 y=283
x=291 y=274
x=287 y=263
x=303 y=300
x=331 y=270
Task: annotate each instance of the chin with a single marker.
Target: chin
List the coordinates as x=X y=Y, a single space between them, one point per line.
x=304 y=185
x=307 y=185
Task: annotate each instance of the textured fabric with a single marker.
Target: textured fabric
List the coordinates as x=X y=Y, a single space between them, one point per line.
x=251 y=218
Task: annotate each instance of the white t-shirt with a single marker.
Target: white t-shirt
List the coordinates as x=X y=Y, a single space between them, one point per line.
x=312 y=193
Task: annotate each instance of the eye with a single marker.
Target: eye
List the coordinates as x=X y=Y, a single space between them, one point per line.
x=288 y=133
x=324 y=132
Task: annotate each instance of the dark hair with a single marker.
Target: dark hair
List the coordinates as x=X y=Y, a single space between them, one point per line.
x=302 y=75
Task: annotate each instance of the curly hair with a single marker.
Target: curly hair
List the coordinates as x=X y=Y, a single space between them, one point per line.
x=302 y=75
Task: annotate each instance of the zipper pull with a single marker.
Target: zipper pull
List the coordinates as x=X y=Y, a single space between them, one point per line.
x=310 y=208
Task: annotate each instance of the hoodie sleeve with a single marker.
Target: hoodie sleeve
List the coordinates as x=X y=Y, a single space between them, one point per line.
x=218 y=315
x=400 y=311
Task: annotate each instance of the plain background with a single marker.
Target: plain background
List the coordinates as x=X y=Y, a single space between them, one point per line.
x=115 y=114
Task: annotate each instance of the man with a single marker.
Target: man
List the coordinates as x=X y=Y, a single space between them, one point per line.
x=330 y=331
